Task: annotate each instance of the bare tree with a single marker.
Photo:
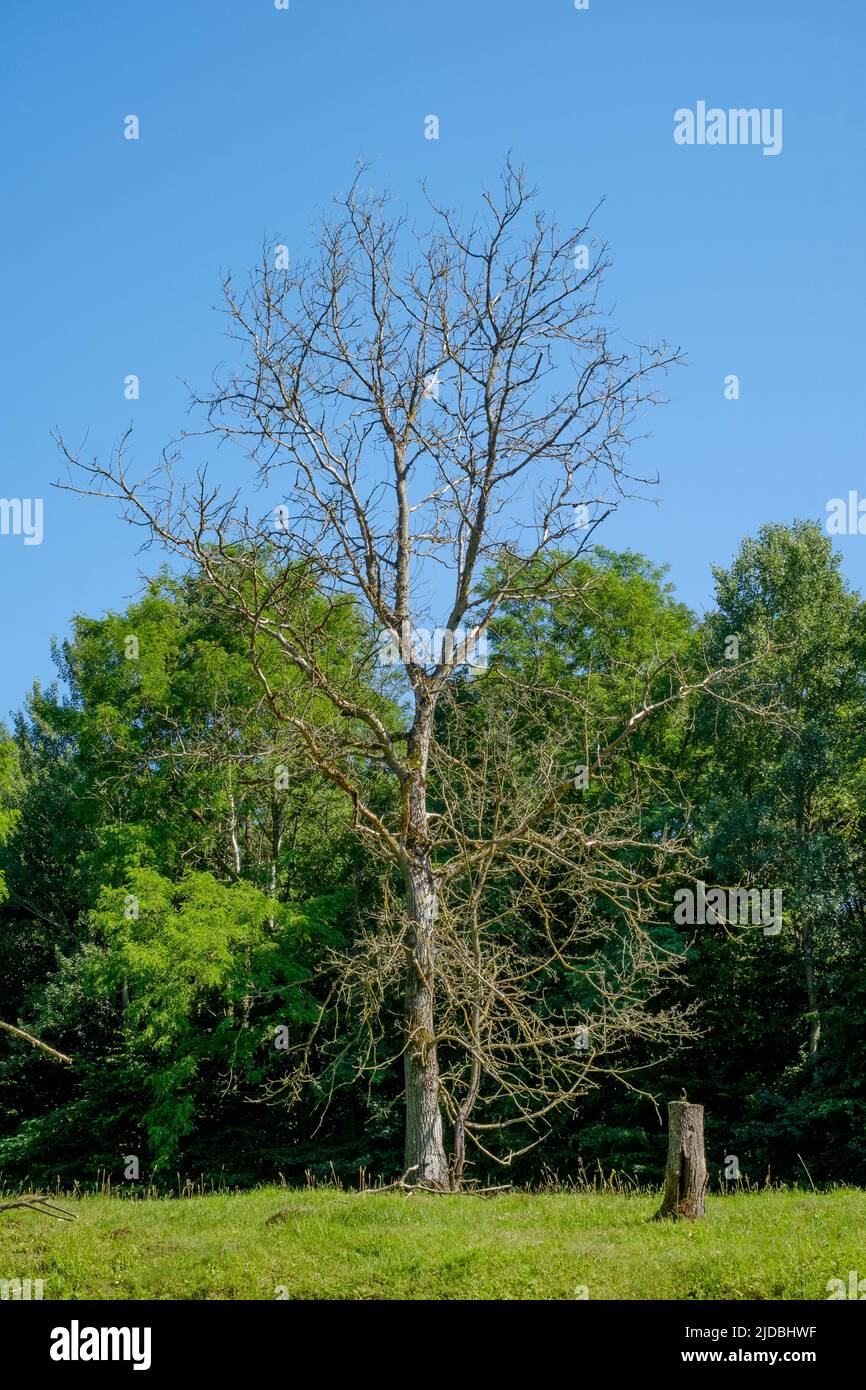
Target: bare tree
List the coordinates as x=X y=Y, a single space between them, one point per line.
x=425 y=411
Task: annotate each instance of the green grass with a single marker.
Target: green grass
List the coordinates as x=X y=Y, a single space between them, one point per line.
x=331 y=1244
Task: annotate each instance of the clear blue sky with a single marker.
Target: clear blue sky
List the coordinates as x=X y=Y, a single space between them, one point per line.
x=251 y=118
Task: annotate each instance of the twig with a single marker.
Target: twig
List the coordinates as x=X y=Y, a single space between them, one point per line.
x=808 y=1174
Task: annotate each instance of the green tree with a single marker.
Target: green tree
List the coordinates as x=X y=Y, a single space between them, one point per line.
x=783 y=795
x=160 y=758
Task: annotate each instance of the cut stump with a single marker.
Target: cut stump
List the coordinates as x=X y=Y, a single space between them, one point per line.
x=686 y=1175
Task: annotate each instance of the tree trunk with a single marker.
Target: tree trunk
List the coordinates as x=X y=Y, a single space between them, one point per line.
x=807 y=938
x=811 y=989
x=425 y=1163
x=686 y=1173
x=233 y=832
x=425 y=1150
x=276 y=847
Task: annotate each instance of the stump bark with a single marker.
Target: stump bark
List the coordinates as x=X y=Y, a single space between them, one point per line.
x=686 y=1175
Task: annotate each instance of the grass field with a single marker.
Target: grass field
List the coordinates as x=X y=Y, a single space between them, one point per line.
x=336 y=1245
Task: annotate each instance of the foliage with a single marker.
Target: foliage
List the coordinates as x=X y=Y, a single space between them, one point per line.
x=176 y=882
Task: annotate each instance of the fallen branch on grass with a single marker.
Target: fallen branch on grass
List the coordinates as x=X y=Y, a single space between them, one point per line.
x=40 y=1204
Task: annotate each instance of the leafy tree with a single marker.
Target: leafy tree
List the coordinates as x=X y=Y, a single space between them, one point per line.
x=206 y=971
x=783 y=796
x=159 y=769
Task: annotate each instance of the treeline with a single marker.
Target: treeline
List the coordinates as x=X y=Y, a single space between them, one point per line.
x=177 y=882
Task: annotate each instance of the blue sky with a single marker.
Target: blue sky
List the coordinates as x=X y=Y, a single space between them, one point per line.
x=251 y=118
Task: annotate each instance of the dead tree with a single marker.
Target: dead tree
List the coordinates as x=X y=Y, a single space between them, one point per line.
x=686 y=1175
x=429 y=409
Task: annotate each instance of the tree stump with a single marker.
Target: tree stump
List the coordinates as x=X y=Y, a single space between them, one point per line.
x=686 y=1175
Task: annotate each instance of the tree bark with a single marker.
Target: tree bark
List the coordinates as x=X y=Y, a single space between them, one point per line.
x=686 y=1173
x=233 y=833
x=426 y=1163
